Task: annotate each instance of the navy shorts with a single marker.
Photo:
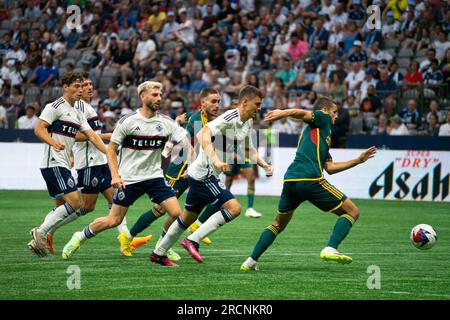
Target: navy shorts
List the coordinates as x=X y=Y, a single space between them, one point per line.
x=94 y=179
x=204 y=192
x=157 y=189
x=59 y=181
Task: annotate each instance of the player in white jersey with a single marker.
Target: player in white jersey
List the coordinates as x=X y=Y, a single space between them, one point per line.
x=94 y=176
x=57 y=127
x=203 y=174
x=141 y=135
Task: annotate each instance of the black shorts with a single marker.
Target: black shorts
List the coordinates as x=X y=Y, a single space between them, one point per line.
x=59 y=181
x=94 y=179
x=204 y=192
x=157 y=189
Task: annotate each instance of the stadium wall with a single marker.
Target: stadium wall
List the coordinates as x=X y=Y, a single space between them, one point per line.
x=392 y=174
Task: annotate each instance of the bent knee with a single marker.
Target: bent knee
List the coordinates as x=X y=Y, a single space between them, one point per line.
x=235 y=209
x=75 y=204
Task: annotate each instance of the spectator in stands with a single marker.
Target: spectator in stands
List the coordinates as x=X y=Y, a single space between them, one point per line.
x=32 y=12
x=383 y=126
x=413 y=79
x=298 y=48
x=354 y=79
x=337 y=88
x=357 y=54
x=156 y=19
x=167 y=35
x=198 y=84
x=123 y=60
x=426 y=63
x=287 y=74
x=431 y=127
x=285 y=125
x=371 y=108
x=445 y=67
x=397 y=127
x=14 y=54
x=3 y=119
x=441 y=44
x=368 y=81
x=444 y=130
x=410 y=116
x=378 y=55
x=185 y=32
x=433 y=78
x=320 y=33
x=434 y=108
x=395 y=74
x=385 y=87
x=145 y=50
x=55 y=48
x=340 y=128
x=356 y=119
x=29 y=120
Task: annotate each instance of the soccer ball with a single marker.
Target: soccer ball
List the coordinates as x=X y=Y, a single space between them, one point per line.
x=423 y=236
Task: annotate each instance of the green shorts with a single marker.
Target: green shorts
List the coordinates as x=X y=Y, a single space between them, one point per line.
x=320 y=193
x=236 y=168
x=179 y=186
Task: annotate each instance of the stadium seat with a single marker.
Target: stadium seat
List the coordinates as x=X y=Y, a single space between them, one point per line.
x=31 y=95
x=66 y=61
x=391 y=51
x=405 y=53
x=403 y=62
x=73 y=54
x=6 y=24
x=421 y=53
x=391 y=44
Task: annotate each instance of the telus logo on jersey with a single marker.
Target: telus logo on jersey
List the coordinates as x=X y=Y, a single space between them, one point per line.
x=64 y=128
x=144 y=142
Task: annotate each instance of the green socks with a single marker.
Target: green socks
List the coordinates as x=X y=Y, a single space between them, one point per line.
x=250 y=197
x=144 y=221
x=340 y=230
x=265 y=240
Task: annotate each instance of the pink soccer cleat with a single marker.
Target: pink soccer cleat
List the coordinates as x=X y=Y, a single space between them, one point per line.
x=192 y=249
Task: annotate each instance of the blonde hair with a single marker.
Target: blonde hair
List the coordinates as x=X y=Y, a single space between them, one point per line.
x=146 y=85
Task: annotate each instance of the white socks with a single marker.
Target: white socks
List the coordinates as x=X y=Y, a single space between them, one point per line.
x=58 y=215
x=122 y=227
x=173 y=233
x=214 y=222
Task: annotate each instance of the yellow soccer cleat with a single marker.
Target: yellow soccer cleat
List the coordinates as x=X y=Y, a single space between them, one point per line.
x=193 y=227
x=331 y=254
x=71 y=246
x=140 y=241
x=125 y=244
x=171 y=254
x=245 y=268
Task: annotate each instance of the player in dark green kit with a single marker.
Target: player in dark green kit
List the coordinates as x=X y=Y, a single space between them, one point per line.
x=304 y=180
x=176 y=171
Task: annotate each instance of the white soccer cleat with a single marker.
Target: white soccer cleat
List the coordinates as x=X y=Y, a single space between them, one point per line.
x=331 y=254
x=252 y=213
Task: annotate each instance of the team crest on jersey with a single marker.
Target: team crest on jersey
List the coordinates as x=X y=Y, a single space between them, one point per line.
x=94 y=182
x=70 y=182
x=159 y=128
x=220 y=183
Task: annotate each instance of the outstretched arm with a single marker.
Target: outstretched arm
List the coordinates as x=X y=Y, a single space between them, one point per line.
x=254 y=157
x=300 y=114
x=335 y=167
x=80 y=137
x=95 y=139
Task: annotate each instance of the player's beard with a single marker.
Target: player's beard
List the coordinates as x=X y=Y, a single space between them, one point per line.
x=152 y=107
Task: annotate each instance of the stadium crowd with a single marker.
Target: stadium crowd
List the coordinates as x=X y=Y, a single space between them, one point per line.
x=392 y=79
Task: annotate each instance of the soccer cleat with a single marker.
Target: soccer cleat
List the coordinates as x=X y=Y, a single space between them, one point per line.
x=125 y=244
x=33 y=248
x=171 y=254
x=192 y=249
x=162 y=260
x=193 y=227
x=140 y=241
x=38 y=244
x=50 y=247
x=252 y=213
x=331 y=254
x=71 y=246
x=245 y=268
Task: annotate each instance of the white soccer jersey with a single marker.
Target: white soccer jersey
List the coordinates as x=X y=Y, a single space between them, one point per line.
x=230 y=125
x=65 y=121
x=142 y=141
x=86 y=153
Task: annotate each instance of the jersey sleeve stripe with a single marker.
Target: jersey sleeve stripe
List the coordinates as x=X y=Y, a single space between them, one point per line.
x=231 y=116
x=126 y=116
x=57 y=103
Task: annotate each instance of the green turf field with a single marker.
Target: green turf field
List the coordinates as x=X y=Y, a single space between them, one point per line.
x=290 y=269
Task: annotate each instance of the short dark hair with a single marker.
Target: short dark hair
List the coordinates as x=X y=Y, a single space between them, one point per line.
x=70 y=77
x=207 y=91
x=324 y=103
x=249 y=92
x=85 y=75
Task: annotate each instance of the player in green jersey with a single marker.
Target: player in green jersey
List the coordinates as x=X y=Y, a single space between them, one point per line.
x=176 y=174
x=304 y=180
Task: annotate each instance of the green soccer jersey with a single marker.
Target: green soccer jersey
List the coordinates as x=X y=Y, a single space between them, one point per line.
x=177 y=167
x=312 y=150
